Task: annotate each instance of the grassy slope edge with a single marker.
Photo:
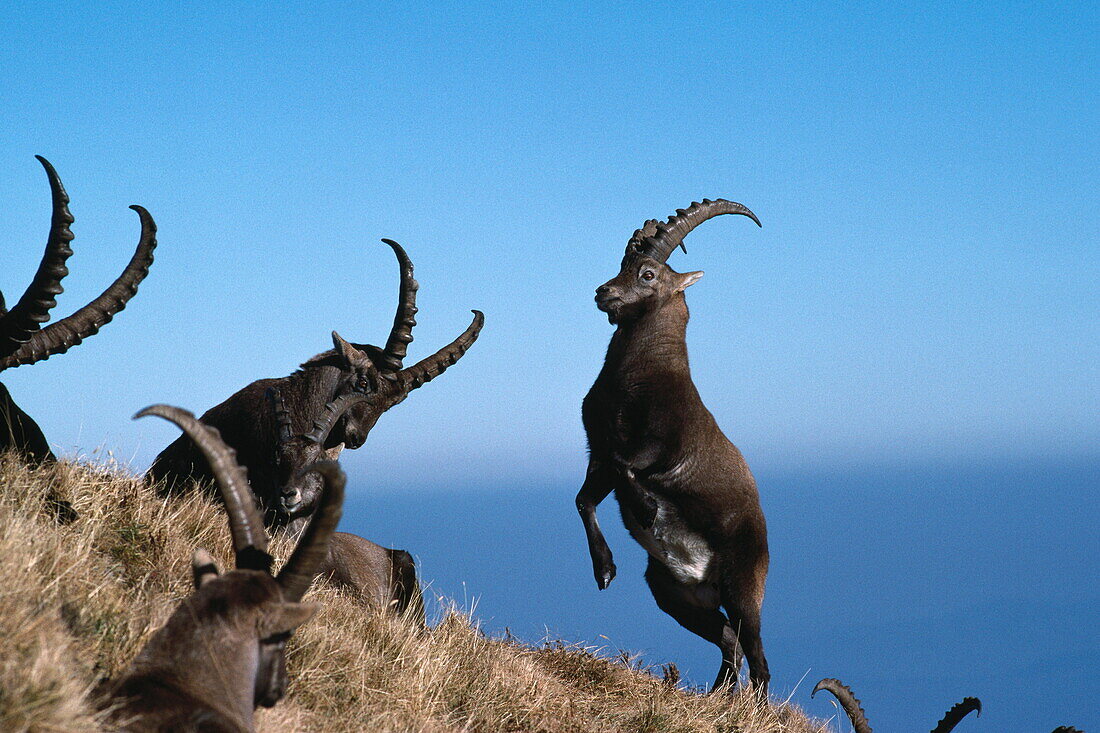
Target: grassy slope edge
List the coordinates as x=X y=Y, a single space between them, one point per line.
x=79 y=600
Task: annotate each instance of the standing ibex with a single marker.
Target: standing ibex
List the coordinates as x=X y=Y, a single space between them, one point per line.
x=855 y=713
x=223 y=651
x=22 y=338
x=247 y=423
x=684 y=491
x=381 y=577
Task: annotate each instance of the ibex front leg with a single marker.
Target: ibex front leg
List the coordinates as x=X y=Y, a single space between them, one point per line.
x=597 y=485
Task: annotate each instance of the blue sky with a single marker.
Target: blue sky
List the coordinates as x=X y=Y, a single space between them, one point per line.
x=923 y=288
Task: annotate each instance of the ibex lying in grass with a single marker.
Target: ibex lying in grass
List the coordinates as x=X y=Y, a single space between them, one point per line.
x=855 y=713
x=223 y=651
x=22 y=338
x=381 y=577
x=246 y=422
x=684 y=491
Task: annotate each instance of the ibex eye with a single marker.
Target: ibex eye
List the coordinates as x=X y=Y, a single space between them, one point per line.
x=647 y=275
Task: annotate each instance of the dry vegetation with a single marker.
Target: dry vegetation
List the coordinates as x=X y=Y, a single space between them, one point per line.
x=78 y=600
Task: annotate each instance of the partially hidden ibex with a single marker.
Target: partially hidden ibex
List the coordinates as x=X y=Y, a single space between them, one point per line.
x=684 y=490
x=246 y=422
x=222 y=652
x=379 y=576
x=855 y=712
x=23 y=340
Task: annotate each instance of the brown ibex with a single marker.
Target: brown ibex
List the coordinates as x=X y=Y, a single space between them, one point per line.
x=855 y=712
x=23 y=340
x=381 y=577
x=246 y=422
x=223 y=651
x=684 y=491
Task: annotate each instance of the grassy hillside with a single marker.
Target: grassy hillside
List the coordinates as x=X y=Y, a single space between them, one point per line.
x=79 y=599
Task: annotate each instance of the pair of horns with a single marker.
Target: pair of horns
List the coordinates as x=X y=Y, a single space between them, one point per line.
x=392 y=357
x=324 y=423
x=246 y=525
x=855 y=713
x=657 y=239
x=22 y=338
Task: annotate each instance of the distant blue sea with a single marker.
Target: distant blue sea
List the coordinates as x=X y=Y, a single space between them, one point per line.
x=917 y=585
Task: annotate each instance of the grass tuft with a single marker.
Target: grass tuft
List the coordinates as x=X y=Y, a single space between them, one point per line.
x=81 y=596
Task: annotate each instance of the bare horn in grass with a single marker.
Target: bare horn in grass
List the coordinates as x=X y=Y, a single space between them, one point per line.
x=684 y=490
x=853 y=709
x=223 y=651
x=23 y=340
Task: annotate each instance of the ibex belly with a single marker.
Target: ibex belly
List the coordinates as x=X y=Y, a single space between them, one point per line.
x=672 y=543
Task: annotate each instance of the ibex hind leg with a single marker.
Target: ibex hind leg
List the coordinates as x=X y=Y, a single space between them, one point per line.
x=680 y=602
x=742 y=590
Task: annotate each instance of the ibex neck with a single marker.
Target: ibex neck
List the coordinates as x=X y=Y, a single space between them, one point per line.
x=656 y=341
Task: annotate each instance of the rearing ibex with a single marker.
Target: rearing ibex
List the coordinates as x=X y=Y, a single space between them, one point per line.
x=246 y=422
x=22 y=338
x=223 y=651
x=684 y=491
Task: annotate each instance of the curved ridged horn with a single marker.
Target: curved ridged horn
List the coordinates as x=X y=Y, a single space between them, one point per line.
x=303 y=565
x=1066 y=729
x=847 y=700
x=670 y=235
x=393 y=355
x=59 y=337
x=26 y=317
x=245 y=522
x=282 y=417
x=428 y=369
x=957 y=712
x=333 y=411
x=649 y=229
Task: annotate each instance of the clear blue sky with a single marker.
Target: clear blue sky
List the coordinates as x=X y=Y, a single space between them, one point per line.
x=924 y=288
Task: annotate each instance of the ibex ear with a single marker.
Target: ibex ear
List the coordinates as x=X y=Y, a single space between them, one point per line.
x=283 y=618
x=687 y=279
x=203 y=567
x=355 y=358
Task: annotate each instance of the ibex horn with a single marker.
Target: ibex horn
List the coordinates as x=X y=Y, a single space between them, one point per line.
x=332 y=412
x=59 y=337
x=393 y=356
x=428 y=369
x=303 y=565
x=957 y=712
x=669 y=235
x=282 y=416
x=847 y=700
x=245 y=523
x=33 y=309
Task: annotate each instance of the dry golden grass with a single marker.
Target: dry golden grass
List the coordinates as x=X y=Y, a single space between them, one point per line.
x=79 y=600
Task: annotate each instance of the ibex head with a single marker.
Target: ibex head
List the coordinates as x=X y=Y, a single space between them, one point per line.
x=645 y=282
x=300 y=491
x=246 y=614
x=378 y=373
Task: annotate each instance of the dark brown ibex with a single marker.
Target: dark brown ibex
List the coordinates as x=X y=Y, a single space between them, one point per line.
x=855 y=712
x=23 y=340
x=684 y=491
x=223 y=651
x=247 y=424
x=381 y=577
